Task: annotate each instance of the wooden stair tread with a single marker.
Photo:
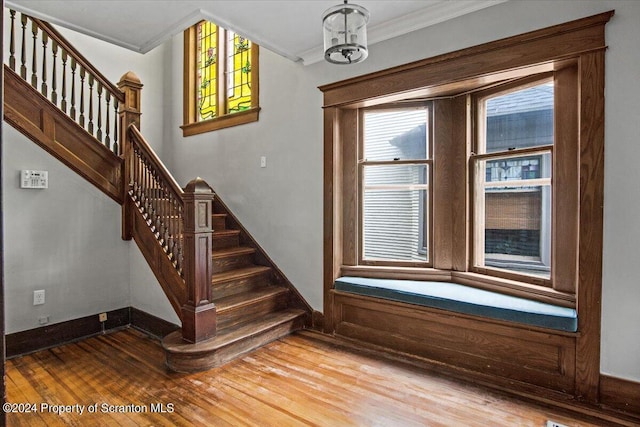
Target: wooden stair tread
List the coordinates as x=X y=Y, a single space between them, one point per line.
x=236 y=301
x=224 y=233
x=174 y=343
x=239 y=273
x=233 y=251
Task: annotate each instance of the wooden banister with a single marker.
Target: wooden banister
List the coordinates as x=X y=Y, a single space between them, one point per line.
x=52 y=66
x=80 y=59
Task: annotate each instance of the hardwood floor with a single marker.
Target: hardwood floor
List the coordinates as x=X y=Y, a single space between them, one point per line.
x=297 y=380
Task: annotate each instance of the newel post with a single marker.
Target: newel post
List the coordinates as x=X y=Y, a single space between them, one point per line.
x=199 y=313
x=129 y=113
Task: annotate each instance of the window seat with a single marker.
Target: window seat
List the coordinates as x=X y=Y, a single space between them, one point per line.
x=464 y=299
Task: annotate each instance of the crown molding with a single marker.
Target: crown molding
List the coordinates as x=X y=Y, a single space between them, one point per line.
x=62 y=23
x=430 y=15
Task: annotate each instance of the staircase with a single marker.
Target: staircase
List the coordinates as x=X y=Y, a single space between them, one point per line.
x=254 y=304
x=230 y=297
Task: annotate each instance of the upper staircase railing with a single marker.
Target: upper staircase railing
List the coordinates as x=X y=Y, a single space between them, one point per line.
x=65 y=77
x=172 y=226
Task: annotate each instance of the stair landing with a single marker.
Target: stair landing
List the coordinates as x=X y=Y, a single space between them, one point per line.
x=185 y=357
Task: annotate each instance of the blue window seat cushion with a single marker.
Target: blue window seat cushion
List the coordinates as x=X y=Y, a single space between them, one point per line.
x=464 y=299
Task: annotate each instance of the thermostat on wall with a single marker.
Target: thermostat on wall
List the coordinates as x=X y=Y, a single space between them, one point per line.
x=34 y=179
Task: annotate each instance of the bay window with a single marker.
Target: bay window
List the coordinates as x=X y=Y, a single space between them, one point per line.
x=478 y=188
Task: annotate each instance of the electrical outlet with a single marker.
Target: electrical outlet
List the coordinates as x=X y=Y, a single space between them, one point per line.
x=102 y=317
x=263 y=161
x=43 y=320
x=38 y=297
x=554 y=424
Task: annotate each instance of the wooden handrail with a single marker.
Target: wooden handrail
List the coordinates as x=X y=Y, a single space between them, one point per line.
x=145 y=148
x=73 y=52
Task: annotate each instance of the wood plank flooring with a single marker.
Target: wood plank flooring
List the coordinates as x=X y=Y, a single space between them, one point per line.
x=297 y=380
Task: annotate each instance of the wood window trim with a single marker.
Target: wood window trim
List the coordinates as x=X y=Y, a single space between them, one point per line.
x=538 y=51
x=190 y=124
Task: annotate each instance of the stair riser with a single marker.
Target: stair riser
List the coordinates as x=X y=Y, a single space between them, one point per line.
x=200 y=362
x=219 y=223
x=225 y=241
x=240 y=286
x=252 y=311
x=229 y=263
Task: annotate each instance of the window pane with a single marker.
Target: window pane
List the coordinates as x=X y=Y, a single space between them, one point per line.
x=398 y=134
x=238 y=73
x=514 y=170
x=394 y=225
x=520 y=119
x=513 y=214
x=207 y=69
x=390 y=175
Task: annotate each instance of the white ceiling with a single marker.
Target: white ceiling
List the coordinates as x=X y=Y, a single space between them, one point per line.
x=291 y=28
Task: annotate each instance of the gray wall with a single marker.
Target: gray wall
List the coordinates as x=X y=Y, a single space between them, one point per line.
x=63 y=239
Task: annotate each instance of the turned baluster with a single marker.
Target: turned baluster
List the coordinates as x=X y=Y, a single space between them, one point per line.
x=91 y=81
x=34 y=57
x=167 y=223
x=138 y=176
x=167 y=228
x=12 y=42
x=169 y=237
x=54 y=79
x=161 y=213
x=143 y=182
x=99 y=131
x=147 y=189
x=172 y=228
x=116 y=149
x=82 y=76
x=135 y=175
x=72 y=110
x=154 y=201
x=63 y=103
x=43 y=86
x=107 y=140
x=23 y=56
x=148 y=186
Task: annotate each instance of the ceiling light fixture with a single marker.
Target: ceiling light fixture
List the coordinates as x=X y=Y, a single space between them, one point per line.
x=345 y=33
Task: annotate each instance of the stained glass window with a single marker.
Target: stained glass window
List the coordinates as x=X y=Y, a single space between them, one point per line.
x=220 y=78
x=239 y=74
x=207 y=70
x=212 y=68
